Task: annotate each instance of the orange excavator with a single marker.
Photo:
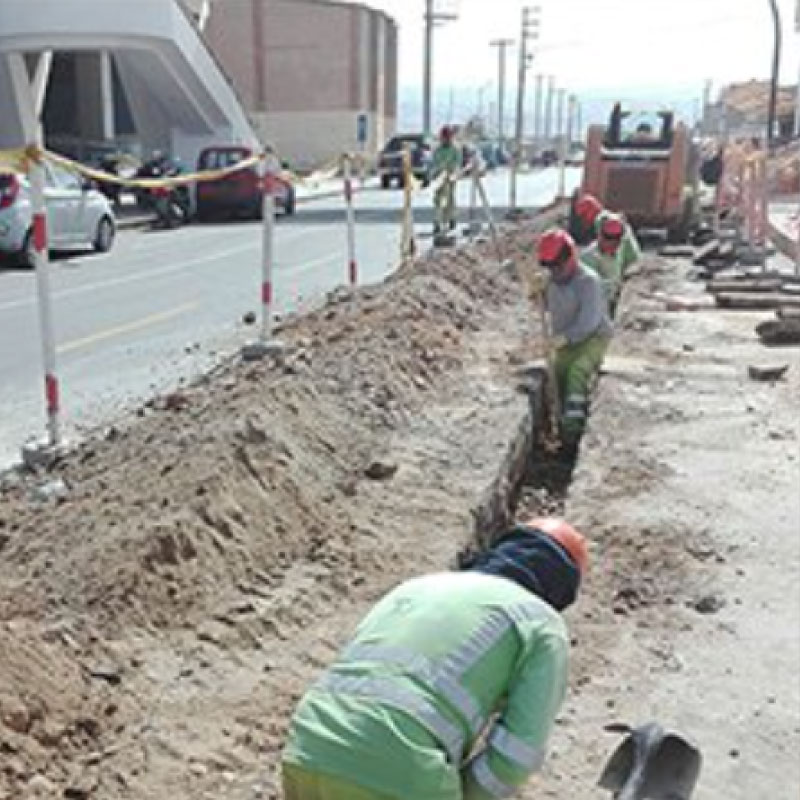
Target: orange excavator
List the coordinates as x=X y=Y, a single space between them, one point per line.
x=645 y=166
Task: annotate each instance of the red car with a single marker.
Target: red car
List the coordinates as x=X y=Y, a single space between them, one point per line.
x=238 y=194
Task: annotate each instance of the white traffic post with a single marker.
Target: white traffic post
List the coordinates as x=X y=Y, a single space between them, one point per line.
x=266 y=344
x=26 y=103
x=267 y=258
x=352 y=266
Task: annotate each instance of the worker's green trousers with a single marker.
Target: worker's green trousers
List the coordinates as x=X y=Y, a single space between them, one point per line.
x=577 y=366
x=301 y=784
x=444 y=203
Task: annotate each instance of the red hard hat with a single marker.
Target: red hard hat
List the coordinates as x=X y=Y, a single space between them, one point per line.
x=587 y=208
x=612 y=227
x=570 y=539
x=557 y=249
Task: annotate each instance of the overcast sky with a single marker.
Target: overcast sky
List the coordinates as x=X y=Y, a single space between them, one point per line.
x=602 y=44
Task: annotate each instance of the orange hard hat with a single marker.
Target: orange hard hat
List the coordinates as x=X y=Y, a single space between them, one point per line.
x=570 y=539
x=587 y=208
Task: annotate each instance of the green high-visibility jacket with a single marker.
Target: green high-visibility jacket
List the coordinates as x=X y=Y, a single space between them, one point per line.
x=612 y=268
x=446 y=158
x=448 y=690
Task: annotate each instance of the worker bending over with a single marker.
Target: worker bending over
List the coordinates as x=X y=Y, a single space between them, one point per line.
x=581 y=329
x=451 y=683
x=613 y=254
x=446 y=165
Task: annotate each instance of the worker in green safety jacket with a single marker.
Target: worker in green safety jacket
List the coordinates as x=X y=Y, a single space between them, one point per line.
x=613 y=253
x=449 y=688
x=447 y=162
x=581 y=328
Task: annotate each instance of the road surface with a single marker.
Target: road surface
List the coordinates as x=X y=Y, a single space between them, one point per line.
x=163 y=306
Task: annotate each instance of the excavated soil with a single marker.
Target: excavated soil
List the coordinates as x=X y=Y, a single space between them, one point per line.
x=168 y=590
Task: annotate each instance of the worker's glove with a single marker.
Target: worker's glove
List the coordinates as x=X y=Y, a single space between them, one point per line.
x=559 y=341
x=537 y=282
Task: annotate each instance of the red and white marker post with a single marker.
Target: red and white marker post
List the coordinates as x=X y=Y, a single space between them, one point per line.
x=267 y=257
x=41 y=258
x=352 y=265
x=25 y=99
x=266 y=345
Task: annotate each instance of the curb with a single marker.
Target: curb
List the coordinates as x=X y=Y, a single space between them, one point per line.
x=782 y=240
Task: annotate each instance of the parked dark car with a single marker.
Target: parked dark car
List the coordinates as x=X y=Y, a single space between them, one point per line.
x=240 y=193
x=390 y=162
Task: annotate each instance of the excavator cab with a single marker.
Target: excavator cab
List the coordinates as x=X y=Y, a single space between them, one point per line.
x=642 y=164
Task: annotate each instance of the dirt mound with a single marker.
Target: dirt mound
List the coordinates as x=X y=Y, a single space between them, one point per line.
x=166 y=604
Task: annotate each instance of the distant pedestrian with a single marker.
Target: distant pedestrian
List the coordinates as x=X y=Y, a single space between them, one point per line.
x=447 y=162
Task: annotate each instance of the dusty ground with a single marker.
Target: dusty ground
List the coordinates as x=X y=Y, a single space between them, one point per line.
x=160 y=619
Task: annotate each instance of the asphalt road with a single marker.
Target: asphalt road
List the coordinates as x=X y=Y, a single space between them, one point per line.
x=163 y=306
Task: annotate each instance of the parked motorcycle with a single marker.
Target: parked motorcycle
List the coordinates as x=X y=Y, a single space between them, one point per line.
x=171 y=205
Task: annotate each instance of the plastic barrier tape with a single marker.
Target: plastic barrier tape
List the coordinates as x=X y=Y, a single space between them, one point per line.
x=19 y=160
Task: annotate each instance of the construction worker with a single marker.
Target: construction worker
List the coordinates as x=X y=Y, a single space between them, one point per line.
x=584 y=211
x=450 y=686
x=446 y=164
x=581 y=328
x=614 y=252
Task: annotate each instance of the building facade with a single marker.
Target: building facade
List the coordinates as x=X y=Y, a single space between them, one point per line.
x=317 y=78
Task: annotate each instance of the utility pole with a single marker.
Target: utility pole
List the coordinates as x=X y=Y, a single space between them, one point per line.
x=797 y=100
x=561 y=96
x=501 y=45
x=776 y=65
x=704 y=120
x=537 y=111
x=529 y=30
x=432 y=17
x=548 y=110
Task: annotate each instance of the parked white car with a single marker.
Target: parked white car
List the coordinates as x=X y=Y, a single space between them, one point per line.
x=78 y=216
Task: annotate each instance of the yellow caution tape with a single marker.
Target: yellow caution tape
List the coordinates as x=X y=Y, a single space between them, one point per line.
x=20 y=159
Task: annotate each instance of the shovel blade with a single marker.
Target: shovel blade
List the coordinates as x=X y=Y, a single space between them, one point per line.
x=650 y=764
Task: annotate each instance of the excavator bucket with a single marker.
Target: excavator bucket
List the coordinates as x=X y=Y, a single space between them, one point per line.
x=651 y=764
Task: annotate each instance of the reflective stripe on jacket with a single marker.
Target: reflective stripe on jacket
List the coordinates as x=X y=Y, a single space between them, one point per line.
x=441 y=664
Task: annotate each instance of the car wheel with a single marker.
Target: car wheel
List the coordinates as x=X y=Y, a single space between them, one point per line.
x=386 y=182
x=289 y=206
x=104 y=235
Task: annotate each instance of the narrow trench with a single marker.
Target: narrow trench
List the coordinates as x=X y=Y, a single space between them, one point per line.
x=541 y=487
x=532 y=482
